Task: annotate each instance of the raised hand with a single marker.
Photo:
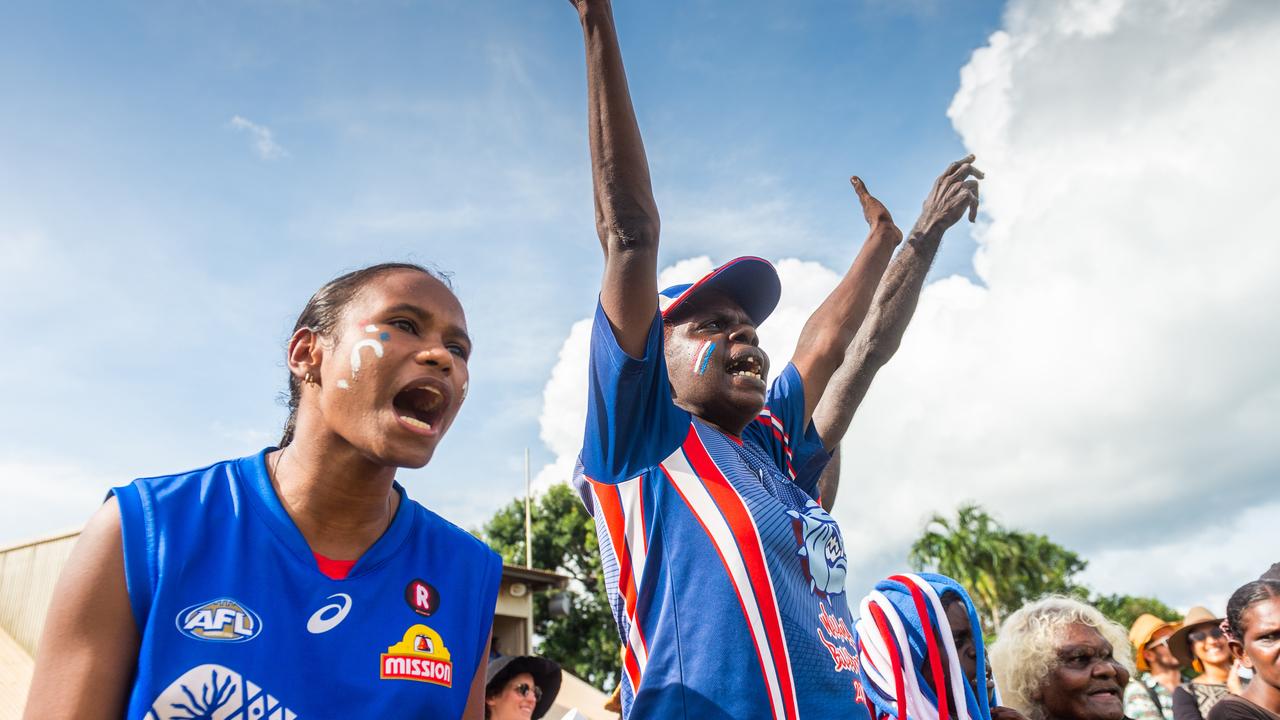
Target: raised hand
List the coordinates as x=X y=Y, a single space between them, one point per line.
x=582 y=5
x=953 y=193
x=877 y=215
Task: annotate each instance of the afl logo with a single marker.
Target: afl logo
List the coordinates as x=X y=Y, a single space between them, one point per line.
x=221 y=620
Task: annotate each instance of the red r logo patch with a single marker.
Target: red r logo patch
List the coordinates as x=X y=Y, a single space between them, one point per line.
x=422 y=597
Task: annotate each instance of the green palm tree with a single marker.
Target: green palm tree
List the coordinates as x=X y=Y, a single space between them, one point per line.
x=1001 y=568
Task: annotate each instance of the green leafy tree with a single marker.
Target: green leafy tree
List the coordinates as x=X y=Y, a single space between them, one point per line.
x=1002 y=569
x=1124 y=609
x=564 y=540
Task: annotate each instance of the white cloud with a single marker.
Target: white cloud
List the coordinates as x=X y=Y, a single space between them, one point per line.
x=264 y=142
x=1113 y=385
x=1191 y=563
x=45 y=497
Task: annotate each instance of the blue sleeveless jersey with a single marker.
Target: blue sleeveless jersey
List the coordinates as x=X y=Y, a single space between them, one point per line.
x=726 y=577
x=238 y=623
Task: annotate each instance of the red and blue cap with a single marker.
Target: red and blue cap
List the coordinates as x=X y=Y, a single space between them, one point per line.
x=752 y=282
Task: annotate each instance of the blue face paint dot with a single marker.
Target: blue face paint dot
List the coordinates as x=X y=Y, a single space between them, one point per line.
x=385 y=336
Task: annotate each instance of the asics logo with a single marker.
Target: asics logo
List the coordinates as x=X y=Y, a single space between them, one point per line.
x=331 y=615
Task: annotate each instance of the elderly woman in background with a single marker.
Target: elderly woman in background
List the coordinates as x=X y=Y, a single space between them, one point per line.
x=1060 y=659
x=1201 y=644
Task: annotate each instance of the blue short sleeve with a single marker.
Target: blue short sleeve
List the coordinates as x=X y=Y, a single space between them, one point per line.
x=797 y=450
x=139 y=565
x=632 y=423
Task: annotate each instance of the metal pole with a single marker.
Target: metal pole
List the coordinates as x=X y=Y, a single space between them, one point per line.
x=528 y=516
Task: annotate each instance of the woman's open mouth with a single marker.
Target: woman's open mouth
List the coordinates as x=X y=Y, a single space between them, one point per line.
x=421 y=406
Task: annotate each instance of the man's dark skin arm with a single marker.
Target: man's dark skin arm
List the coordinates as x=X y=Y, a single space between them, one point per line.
x=626 y=213
x=954 y=193
x=829 y=330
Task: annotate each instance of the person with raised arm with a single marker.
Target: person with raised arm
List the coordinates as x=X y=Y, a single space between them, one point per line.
x=725 y=576
x=954 y=194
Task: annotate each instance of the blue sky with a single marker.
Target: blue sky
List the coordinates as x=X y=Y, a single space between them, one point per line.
x=159 y=258
x=1094 y=359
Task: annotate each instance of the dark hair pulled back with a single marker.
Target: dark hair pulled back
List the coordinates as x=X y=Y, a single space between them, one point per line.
x=1245 y=597
x=324 y=309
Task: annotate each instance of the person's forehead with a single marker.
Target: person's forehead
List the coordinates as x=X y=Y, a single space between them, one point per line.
x=710 y=302
x=1262 y=618
x=1078 y=634
x=411 y=287
x=957 y=614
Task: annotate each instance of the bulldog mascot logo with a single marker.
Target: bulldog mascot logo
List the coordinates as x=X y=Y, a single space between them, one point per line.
x=822 y=546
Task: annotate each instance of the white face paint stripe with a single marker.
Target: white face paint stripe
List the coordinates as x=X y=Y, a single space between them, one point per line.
x=701 y=358
x=371 y=328
x=344 y=385
x=355 y=353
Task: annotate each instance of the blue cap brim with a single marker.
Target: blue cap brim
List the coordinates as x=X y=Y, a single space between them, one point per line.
x=751 y=282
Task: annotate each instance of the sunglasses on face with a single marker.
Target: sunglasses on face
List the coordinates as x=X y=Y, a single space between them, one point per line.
x=523 y=690
x=1202 y=635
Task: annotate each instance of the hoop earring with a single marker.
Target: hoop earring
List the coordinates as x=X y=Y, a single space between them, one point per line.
x=309 y=379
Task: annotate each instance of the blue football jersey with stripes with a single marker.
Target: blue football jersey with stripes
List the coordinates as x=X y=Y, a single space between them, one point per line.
x=238 y=623
x=725 y=575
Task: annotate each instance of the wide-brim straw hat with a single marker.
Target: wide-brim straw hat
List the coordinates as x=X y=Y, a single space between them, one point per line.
x=1140 y=634
x=1178 y=641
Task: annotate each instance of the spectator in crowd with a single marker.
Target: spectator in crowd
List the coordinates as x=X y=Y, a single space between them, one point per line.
x=935 y=616
x=1201 y=644
x=1060 y=659
x=1253 y=621
x=520 y=687
x=1149 y=695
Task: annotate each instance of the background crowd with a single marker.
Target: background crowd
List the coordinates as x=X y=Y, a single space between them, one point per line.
x=1056 y=658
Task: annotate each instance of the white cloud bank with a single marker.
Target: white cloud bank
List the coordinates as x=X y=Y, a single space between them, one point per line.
x=1114 y=383
x=264 y=142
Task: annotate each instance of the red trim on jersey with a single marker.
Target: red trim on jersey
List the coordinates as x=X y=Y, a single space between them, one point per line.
x=728 y=575
x=610 y=502
x=767 y=418
x=333 y=569
x=738 y=516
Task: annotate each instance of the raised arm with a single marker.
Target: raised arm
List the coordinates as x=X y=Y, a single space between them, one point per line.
x=626 y=214
x=954 y=193
x=830 y=329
